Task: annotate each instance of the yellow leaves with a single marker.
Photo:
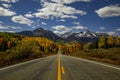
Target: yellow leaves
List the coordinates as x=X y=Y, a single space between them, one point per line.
x=102 y=42
x=45 y=44
x=117 y=41
x=31 y=47
x=70 y=48
x=110 y=41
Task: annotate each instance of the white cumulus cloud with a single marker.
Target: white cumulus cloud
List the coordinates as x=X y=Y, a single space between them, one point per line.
x=66 y=1
x=6 y=12
x=1 y=22
x=14 y=28
x=7 y=27
x=60 y=29
x=117 y=29
x=3 y=27
x=76 y=23
x=10 y=31
x=43 y=23
x=61 y=20
x=29 y=15
x=79 y=27
x=102 y=28
x=22 y=20
x=6 y=5
x=59 y=32
x=111 y=33
x=58 y=11
x=69 y=1
x=109 y=11
x=9 y=1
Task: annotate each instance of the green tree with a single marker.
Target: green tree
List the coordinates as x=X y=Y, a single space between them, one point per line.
x=117 y=41
x=88 y=46
x=110 y=41
x=102 y=42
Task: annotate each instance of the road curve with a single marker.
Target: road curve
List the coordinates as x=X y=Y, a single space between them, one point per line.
x=70 y=68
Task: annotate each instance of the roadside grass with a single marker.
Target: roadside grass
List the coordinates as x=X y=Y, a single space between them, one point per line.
x=111 y=55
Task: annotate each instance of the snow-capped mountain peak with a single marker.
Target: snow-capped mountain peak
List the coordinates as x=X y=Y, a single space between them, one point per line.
x=67 y=34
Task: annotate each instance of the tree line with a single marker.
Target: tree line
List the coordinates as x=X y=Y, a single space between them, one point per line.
x=103 y=42
x=69 y=48
x=9 y=40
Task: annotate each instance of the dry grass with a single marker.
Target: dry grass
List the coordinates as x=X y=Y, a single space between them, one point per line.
x=111 y=55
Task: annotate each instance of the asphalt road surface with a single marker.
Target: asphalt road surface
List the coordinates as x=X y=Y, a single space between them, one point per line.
x=60 y=67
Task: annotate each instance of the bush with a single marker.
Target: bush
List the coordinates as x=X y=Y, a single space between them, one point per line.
x=23 y=50
x=111 y=55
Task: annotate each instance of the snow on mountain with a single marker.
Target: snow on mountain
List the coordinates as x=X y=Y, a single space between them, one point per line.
x=67 y=34
x=80 y=34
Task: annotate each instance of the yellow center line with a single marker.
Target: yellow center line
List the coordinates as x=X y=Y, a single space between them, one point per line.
x=59 y=71
x=63 y=71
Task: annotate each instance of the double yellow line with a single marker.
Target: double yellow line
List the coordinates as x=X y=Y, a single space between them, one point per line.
x=59 y=69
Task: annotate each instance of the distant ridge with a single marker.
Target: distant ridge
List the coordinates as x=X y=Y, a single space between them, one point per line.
x=84 y=37
x=41 y=33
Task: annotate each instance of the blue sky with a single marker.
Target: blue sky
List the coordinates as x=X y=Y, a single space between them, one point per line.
x=60 y=16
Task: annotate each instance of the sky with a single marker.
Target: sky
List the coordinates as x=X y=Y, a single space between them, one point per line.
x=60 y=16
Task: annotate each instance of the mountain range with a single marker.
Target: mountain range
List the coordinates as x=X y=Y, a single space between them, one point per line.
x=86 y=36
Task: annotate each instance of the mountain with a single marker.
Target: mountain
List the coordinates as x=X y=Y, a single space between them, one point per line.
x=86 y=36
x=66 y=35
x=26 y=33
x=46 y=33
x=41 y=33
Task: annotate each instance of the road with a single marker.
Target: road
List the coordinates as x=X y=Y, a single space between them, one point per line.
x=60 y=67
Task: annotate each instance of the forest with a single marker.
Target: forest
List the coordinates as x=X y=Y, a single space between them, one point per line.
x=16 y=48
x=106 y=49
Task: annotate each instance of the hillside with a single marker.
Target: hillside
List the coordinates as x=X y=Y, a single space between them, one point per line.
x=40 y=32
x=15 y=48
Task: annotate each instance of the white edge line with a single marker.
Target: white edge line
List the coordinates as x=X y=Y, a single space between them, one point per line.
x=14 y=65
x=96 y=63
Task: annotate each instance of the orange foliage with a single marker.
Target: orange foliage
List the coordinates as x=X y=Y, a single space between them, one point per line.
x=8 y=44
x=70 y=48
x=1 y=40
x=79 y=46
